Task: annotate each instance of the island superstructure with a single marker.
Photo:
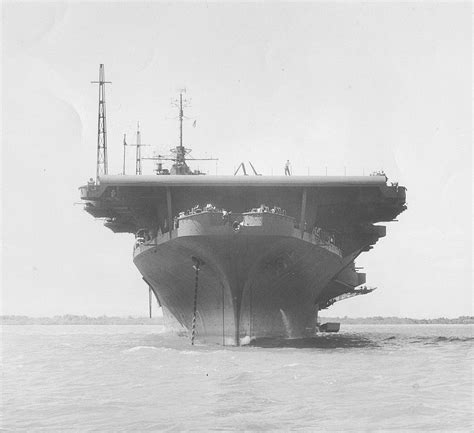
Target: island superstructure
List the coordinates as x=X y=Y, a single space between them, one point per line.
x=240 y=257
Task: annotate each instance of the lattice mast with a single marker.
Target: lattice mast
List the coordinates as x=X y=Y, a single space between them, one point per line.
x=101 y=126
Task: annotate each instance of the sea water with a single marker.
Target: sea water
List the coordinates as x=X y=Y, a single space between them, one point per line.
x=142 y=378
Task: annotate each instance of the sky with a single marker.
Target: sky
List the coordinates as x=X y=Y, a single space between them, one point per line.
x=342 y=86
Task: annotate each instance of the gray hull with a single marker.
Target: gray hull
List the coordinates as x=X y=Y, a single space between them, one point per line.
x=252 y=284
x=268 y=270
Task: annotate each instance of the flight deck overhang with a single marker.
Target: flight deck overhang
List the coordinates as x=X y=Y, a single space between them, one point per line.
x=95 y=191
x=254 y=181
x=334 y=202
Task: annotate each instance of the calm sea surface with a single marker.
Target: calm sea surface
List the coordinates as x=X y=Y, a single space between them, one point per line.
x=141 y=378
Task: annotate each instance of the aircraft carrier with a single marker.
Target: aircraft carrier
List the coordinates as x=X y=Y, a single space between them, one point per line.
x=233 y=258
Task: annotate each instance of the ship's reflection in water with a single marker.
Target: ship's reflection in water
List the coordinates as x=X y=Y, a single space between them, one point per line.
x=334 y=341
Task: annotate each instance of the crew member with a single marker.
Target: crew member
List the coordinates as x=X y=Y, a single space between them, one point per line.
x=287 y=168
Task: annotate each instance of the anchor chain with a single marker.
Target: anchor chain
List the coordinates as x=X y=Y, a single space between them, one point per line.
x=197 y=267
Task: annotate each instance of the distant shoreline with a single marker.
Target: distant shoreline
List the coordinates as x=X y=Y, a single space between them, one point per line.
x=71 y=319
x=112 y=320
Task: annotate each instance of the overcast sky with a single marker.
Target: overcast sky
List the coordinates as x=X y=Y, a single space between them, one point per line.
x=365 y=86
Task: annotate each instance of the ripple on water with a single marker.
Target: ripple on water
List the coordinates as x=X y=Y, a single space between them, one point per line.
x=371 y=377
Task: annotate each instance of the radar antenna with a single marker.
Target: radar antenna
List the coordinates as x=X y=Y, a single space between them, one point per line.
x=178 y=153
x=101 y=126
x=181 y=115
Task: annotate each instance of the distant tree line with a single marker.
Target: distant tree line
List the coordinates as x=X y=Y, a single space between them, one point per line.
x=70 y=319
x=106 y=320
x=379 y=320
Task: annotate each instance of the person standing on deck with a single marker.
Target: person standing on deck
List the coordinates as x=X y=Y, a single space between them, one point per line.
x=287 y=168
